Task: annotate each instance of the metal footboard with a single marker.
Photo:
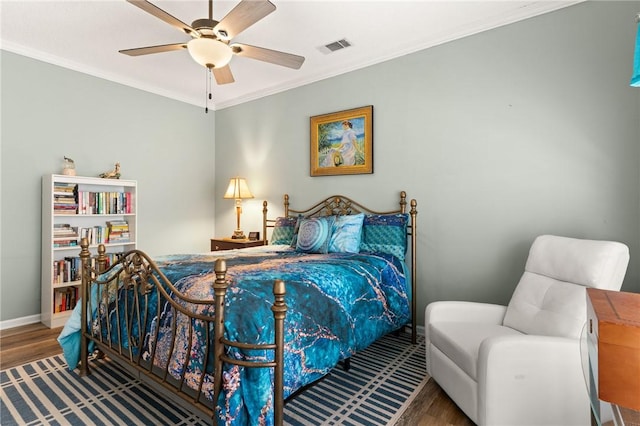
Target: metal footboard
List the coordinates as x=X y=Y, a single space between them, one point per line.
x=127 y=300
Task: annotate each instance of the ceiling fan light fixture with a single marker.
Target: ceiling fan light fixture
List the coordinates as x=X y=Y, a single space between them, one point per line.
x=209 y=52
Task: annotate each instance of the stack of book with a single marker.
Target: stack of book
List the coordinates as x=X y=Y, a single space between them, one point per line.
x=95 y=234
x=66 y=270
x=69 y=269
x=64 y=235
x=104 y=202
x=64 y=198
x=118 y=231
x=65 y=299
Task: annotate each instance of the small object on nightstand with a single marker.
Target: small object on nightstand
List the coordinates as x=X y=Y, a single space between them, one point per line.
x=233 y=243
x=254 y=236
x=238 y=190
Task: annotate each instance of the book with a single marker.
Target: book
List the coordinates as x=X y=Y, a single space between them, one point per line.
x=118 y=231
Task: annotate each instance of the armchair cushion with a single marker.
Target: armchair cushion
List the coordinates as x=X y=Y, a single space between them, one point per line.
x=591 y=263
x=550 y=297
x=544 y=306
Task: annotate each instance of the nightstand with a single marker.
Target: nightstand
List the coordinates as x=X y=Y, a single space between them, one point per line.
x=230 y=244
x=613 y=339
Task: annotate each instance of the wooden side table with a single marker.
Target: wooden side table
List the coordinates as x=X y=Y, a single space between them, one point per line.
x=230 y=243
x=613 y=325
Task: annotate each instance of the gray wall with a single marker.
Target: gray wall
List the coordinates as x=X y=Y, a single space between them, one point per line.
x=49 y=112
x=527 y=129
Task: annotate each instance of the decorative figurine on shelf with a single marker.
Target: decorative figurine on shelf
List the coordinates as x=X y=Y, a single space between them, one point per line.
x=69 y=167
x=113 y=174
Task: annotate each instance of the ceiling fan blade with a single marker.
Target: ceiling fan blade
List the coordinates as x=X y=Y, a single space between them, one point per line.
x=161 y=14
x=153 y=49
x=241 y=17
x=223 y=75
x=268 y=55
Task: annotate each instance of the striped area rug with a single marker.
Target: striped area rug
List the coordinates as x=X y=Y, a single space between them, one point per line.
x=381 y=383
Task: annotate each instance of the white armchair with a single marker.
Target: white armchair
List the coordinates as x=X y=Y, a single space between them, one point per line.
x=521 y=364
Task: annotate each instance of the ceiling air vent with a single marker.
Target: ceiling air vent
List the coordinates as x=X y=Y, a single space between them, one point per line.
x=334 y=46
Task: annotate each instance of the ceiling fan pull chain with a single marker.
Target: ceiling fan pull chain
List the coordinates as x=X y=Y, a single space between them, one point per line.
x=210 y=83
x=207 y=90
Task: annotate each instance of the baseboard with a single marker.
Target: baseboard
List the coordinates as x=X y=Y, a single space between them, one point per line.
x=17 y=322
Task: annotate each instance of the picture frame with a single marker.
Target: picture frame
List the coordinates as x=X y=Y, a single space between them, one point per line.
x=342 y=142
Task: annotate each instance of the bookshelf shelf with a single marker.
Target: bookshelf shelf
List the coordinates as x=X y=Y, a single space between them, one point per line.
x=74 y=207
x=67 y=284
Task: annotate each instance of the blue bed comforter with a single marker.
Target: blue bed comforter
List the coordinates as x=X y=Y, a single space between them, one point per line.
x=338 y=304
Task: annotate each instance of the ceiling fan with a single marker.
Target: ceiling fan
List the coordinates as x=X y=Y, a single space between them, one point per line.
x=210 y=39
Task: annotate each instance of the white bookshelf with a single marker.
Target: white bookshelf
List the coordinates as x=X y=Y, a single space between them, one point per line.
x=58 y=283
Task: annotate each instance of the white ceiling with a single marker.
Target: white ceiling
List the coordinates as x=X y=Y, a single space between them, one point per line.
x=86 y=36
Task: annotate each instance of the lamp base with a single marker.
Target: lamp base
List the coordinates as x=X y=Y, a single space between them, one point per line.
x=238 y=235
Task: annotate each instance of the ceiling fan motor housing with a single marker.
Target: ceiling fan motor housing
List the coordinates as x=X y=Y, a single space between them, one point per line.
x=205 y=26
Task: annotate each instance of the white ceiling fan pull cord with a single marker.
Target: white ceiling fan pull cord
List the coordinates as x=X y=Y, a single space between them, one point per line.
x=207 y=90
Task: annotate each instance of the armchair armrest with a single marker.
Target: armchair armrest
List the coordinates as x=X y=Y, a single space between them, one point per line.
x=463 y=312
x=518 y=381
x=459 y=311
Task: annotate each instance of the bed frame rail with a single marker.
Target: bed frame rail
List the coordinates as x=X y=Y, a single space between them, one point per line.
x=123 y=338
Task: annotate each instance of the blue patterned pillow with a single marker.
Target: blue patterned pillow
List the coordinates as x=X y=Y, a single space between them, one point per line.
x=314 y=234
x=294 y=240
x=385 y=234
x=346 y=234
x=283 y=230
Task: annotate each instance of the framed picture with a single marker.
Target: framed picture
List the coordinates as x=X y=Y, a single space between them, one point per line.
x=342 y=142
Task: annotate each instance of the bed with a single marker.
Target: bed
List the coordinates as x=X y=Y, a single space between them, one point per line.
x=233 y=334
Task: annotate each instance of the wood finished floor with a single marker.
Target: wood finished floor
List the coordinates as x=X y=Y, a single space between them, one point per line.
x=28 y=343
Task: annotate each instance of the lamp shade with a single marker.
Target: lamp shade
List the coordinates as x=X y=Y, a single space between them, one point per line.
x=209 y=52
x=238 y=189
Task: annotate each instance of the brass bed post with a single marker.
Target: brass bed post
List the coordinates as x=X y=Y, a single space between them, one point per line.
x=414 y=295
x=102 y=258
x=279 y=309
x=403 y=201
x=85 y=257
x=220 y=290
x=101 y=266
x=264 y=222
x=286 y=205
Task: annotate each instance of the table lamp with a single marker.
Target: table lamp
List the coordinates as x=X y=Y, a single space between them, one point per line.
x=238 y=190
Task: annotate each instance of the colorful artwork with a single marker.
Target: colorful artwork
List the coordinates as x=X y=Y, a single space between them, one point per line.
x=342 y=142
